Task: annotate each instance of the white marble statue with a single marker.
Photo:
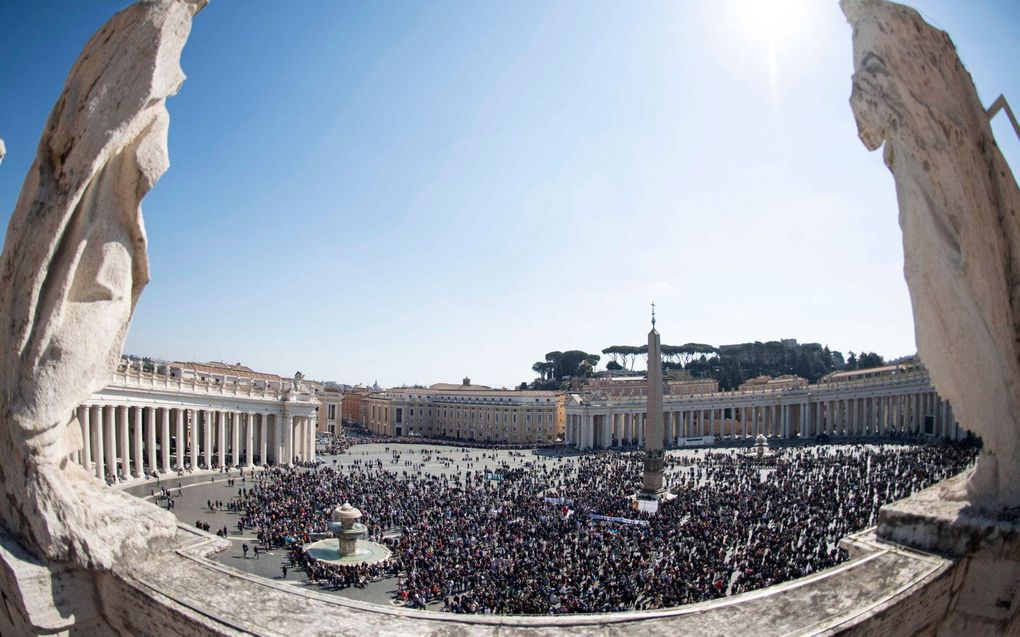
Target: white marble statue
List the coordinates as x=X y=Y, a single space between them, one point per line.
x=958 y=205
x=74 y=264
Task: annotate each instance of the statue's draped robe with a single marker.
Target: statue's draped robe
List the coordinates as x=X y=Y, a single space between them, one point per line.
x=74 y=264
x=959 y=207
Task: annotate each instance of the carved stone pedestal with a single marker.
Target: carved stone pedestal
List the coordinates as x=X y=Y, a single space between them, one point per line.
x=983 y=597
x=45 y=599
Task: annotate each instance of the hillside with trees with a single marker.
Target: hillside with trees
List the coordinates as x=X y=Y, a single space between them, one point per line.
x=731 y=365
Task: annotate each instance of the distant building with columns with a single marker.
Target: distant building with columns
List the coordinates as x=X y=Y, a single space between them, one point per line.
x=467 y=412
x=787 y=381
x=676 y=383
x=894 y=400
x=163 y=418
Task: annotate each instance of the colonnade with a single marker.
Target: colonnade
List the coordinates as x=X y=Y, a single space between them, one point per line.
x=604 y=425
x=134 y=441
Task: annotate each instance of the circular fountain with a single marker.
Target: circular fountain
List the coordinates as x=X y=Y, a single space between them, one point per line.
x=347 y=546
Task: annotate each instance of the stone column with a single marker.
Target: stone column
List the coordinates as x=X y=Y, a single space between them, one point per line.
x=312 y=424
x=84 y=420
x=109 y=420
x=194 y=429
x=249 y=446
x=221 y=439
x=150 y=441
x=137 y=421
x=98 y=438
x=123 y=449
x=264 y=439
x=288 y=440
x=164 y=443
x=179 y=426
x=207 y=437
x=310 y=435
x=235 y=439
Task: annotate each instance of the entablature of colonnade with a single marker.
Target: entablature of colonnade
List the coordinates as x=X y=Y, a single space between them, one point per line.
x=132 y=387
x=116 y=396
x=918 y=382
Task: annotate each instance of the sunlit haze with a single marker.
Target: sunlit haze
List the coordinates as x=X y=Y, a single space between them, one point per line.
x=418 y=192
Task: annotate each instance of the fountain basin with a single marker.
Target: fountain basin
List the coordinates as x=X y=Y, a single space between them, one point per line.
x=365 y=552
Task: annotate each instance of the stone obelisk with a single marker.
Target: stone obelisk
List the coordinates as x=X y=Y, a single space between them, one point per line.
x=652 y=483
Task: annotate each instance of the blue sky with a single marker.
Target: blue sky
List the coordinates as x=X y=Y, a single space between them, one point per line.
x=417 y=191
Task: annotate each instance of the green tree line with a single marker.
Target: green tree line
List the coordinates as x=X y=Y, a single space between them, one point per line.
x=730 y=365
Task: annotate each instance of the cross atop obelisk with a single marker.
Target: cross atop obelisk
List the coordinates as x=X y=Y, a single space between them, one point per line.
x=653 y=315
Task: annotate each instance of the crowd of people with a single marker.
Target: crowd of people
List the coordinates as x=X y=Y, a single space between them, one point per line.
x=515 y=533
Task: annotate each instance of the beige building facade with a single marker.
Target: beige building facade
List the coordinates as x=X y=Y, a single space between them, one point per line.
x=467 y=412
x=330 y=410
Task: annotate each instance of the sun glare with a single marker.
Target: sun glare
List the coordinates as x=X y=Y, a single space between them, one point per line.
x=771 y=26
x=773 y=21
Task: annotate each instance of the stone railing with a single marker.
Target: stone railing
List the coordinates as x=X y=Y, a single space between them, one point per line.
x=133 y=378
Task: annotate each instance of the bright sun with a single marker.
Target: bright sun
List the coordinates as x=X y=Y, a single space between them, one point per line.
x=771 y=20
x=772 y=27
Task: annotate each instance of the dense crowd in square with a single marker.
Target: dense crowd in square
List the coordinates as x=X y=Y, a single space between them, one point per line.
x=517 y=536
